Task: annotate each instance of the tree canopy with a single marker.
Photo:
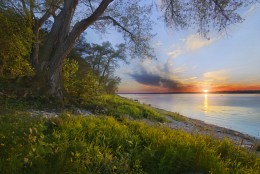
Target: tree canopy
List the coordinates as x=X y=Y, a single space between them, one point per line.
x=67 y=20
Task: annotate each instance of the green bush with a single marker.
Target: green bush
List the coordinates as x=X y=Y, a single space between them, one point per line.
x=79 y=86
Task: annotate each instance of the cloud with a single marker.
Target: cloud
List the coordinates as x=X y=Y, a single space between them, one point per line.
x=175 y=53
x=154 y=79
x=168 y=66
x=251 y=10
x=220 y=75
x=158 y=44
x=195 y=41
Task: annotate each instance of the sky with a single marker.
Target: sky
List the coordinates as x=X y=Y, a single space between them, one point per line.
x=186 y=62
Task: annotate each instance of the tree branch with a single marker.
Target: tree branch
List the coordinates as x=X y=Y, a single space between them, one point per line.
x=91 y=7
x=85 y=23
x=24 y=7
x=117 y=24
x=15 y=8
x=221 y=9
x=43 y=18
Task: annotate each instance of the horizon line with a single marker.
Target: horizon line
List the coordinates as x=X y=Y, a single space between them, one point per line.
x=213 y=92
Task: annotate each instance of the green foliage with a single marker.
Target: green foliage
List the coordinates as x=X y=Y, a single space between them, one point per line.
x=15 y=44
x=103 y=60
x=79 y=85
x=117 y=106
x=173 y=115
x=75 y=144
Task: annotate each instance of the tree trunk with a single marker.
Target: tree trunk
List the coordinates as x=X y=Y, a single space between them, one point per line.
x=35 y=47
x=48 y=79
x=60 y=41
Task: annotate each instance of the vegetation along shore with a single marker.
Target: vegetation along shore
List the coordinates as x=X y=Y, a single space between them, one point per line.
x=111 y=134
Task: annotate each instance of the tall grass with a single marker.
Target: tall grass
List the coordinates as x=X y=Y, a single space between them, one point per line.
x=75 y=144
x=110 y=144
x=117 y=106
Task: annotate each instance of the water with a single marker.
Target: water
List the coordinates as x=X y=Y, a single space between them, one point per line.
x=240 y=112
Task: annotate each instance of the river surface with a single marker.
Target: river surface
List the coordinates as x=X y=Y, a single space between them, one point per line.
x=240 y=112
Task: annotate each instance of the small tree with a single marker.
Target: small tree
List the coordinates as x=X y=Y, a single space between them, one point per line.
x=102 y=60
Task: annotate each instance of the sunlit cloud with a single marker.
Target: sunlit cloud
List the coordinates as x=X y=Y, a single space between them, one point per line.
x=220 y=75
x=175 y=53
x=195 y=41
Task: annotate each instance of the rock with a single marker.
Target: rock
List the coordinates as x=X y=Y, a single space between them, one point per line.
x=82 y=112
x=45 y=114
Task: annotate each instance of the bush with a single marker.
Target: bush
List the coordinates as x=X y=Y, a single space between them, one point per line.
x=79 y=86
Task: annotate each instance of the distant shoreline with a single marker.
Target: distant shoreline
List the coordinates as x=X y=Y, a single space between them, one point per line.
x=219 y=92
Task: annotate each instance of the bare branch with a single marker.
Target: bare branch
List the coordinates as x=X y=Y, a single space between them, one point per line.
x=91 y=7
x=17 y=9
x=43 y=18
x=118 y=24
x=24 y=7
x=85 y=23
x=221 y=9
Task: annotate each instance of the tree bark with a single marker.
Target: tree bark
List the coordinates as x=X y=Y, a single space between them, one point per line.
x=35 y=47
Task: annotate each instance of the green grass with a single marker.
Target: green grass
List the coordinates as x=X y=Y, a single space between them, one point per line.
x=110 y=144
x=174 y=115
x=117 y=106
x=74 y=144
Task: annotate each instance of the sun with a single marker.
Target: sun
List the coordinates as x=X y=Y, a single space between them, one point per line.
x=205 y=90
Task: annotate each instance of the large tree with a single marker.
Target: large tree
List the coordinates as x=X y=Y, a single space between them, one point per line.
x=70 y=18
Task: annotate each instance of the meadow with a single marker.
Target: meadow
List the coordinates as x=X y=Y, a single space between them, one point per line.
x=115 y=139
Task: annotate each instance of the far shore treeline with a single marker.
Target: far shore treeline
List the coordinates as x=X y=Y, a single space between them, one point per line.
x=215 y=92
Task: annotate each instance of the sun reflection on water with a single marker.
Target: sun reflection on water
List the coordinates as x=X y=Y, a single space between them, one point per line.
x=205 y=102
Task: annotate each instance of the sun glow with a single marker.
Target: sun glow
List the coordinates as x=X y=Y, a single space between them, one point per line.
x=205 y=90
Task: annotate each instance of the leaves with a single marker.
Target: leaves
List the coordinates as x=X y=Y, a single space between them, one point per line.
x=205 y=16
x=78 y=84
x=15 y=45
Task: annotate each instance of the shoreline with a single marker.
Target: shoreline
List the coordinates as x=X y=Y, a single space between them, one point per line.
x=195 y=126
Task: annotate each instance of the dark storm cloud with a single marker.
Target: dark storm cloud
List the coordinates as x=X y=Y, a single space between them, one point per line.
x=147 y=78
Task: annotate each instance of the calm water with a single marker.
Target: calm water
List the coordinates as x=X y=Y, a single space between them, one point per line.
x=240 y=112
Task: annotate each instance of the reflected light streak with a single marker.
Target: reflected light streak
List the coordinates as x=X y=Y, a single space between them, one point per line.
x=205 y=102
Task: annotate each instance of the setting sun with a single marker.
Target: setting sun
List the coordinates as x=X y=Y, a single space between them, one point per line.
x=205 y=90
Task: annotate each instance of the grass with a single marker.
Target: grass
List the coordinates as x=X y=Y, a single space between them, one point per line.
x=174 y=115
x=116 y=106
x=110 y=144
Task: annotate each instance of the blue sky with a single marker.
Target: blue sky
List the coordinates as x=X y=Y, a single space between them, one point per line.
x=188 y=62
